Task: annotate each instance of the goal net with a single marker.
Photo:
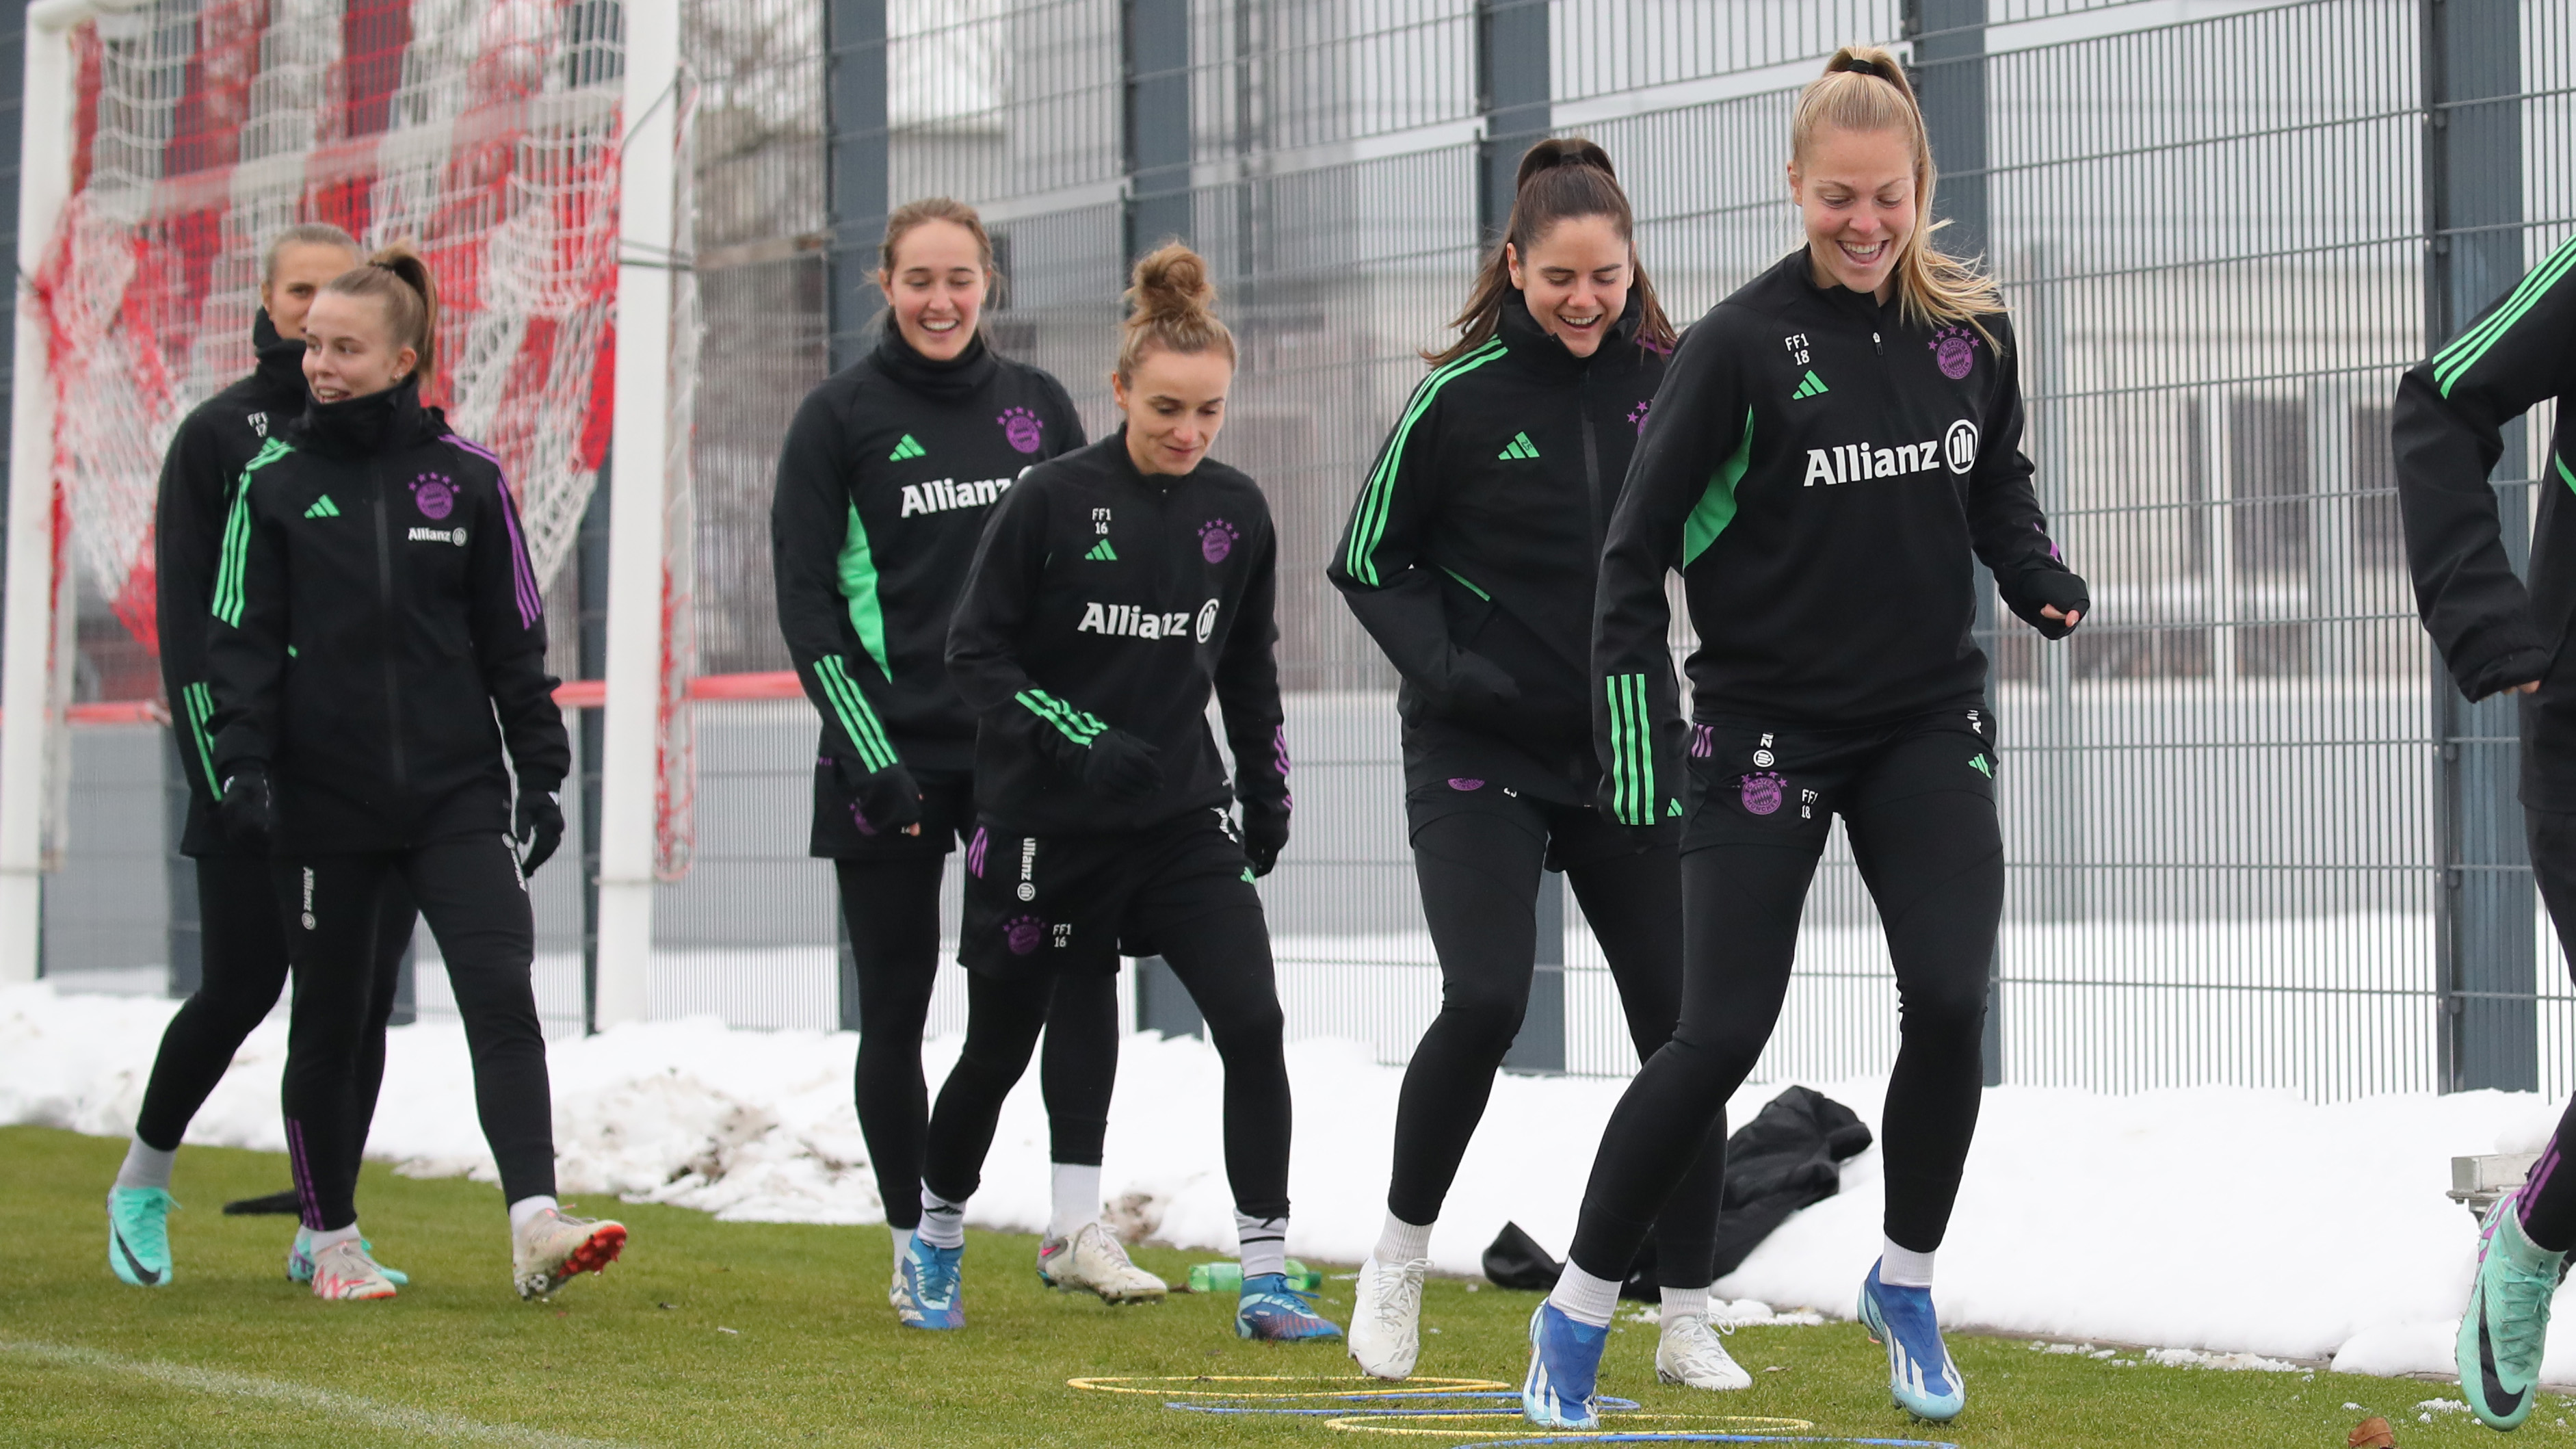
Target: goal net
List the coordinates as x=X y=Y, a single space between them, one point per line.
x=485 y=132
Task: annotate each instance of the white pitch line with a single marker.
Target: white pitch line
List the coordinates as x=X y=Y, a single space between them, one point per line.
x=397 y=1417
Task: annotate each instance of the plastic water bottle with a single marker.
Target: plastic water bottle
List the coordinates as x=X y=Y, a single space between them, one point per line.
x=1227 y=1277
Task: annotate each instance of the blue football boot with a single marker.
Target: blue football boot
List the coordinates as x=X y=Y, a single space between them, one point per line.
x=1564 y=1371
x=138 y=1235
x=931 y=1294
x=1919 y=1372
x=2506 y=1324
x=1270 y=1309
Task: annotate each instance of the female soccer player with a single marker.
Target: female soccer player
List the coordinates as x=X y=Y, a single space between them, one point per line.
x=1115 y=588
x=2499 y=637
x=1831 y=446
x=889 y=472
x=379 y=644
x=1471 y=556
x=242 y=947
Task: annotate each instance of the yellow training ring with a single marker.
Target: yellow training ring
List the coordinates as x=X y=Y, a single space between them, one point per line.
x=1216 y=1386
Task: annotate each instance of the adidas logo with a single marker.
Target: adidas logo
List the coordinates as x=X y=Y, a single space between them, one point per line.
x=323 y=507
x=1813 y=386
x=1978 y=763
x=1672 y=810
x=908 y=448
x=1521 y=447
x=1101 y=552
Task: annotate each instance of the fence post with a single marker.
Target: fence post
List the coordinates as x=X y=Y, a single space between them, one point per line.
x=1949 y=75
x=2486 y=945
x=856 y=172
x=1513 y=53
x=590 y=582
x=1154 y=50
x=185 y=930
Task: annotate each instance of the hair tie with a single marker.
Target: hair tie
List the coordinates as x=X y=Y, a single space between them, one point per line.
x=1859 y=66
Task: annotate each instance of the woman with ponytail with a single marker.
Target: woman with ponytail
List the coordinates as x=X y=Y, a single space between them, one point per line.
x=383 y=723
x=888 y=474
x=1114 y=591
x=1471 y=556
x=1832 y=448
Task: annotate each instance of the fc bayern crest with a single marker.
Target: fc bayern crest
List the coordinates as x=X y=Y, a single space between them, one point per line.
x=1763 y=793
x=436 y=495
x=1021 y=428
x=1023 y=933
x=1216 y=540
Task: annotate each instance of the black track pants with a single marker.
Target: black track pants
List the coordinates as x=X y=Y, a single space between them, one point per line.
x=1479 y=875
x=244 y=956
x=1933 y=862
x=468 y=889
x=1223 y=960
x=892 y=910
x=2549 y=1196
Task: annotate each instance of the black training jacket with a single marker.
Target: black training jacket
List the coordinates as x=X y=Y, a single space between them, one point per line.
x=2448 y=431
x=1820 y=470
x=890 y=470
x=1479 y=531
x=214 y=443
x=379 y=634
x=1103 y=598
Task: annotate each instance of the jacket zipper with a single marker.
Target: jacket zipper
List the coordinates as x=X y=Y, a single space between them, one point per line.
x=385 y=613
x=1592 y=470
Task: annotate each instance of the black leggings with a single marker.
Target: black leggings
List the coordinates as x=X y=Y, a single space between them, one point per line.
x=2549 y=1198
x=469 y=890
x=1934 y=864
x=1223 y=960
x=1480 y=880
x=892 y=910
x=244 y=956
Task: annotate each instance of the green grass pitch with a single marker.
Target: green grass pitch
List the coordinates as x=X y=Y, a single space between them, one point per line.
x=746 y=1333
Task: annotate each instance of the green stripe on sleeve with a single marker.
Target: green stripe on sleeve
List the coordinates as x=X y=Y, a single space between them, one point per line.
x=857 y=570
x=2464 y=351
x=1377 y=500
x=1072 y=723
x=1716 y=506
x=857 y=719
x=1632 y=754
x=234 y=557
x=198 y=702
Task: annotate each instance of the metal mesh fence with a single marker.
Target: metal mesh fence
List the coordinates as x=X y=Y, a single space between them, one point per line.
x=2232 y=804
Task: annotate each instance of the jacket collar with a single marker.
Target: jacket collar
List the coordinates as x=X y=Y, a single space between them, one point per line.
x=362 y=427
x=958 y=377
x=1798 y=270
x=1538 y=347
x=281 y=359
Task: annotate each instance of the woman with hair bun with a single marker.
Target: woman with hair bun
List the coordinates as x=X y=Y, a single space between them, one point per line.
x=1114 y=591
x=377 y=655
x=888 y=475
x=1471 y=556
x=1833 y=446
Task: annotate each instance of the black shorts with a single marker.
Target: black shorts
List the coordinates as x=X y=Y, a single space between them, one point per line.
x=1576 y=835
x=947 y=815
x=1035 y=904
x=1757 y=784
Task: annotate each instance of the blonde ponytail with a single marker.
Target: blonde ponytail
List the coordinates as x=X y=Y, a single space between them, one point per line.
x=1864 y=89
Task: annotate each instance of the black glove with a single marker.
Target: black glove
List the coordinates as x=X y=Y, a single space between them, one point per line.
x=1265 y=834
x=2040 y=588
x=1477 y=684
x=888 y=800
x=1121 y=766
x=541 y=827
x=248 y=809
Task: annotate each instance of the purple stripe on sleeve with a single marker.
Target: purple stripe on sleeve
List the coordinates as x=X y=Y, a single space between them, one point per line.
x=523 y=575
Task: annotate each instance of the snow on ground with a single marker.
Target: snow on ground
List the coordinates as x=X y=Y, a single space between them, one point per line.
x=2231 y=1222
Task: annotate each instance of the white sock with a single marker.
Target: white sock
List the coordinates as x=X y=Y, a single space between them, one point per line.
x=943 y=1223
x=1262 y=1243
x=145 y=1166
x=1903 y=1267
x=525 y=1210
x=1584 y=1298
x=1402 y=1242
x=325 y=1237
x=1683 y=1303
x=902 y=1242
x=1077 y=1198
